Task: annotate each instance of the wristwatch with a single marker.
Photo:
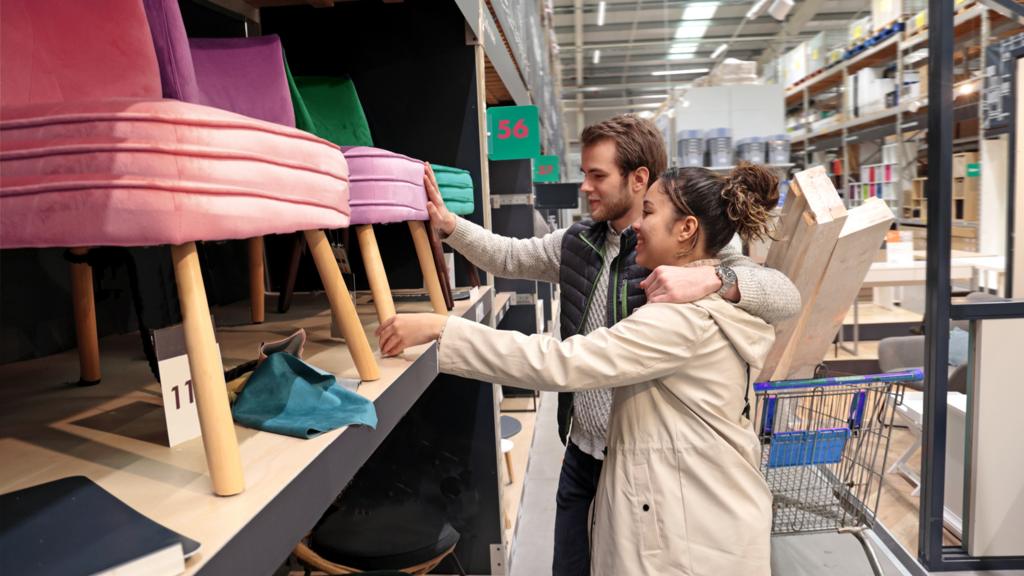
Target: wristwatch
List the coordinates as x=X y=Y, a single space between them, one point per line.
x=728 y=278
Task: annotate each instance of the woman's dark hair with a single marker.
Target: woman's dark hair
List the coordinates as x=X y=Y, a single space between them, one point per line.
x=724 y=205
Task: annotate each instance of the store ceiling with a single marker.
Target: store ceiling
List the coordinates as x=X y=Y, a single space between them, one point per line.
x=640 y=40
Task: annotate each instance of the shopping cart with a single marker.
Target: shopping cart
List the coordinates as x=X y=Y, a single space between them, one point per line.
x=823 y=448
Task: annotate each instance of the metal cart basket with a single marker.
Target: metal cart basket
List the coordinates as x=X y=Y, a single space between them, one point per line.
x=824 y=444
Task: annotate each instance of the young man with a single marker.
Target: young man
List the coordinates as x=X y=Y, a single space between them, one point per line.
x=594 y=263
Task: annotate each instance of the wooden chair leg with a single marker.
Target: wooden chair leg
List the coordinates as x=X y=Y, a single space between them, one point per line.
x=343 y=309
x=419 y=238
x=257 y=306
x=284 y=299
x=442 y=268
x=474 y=277
x=84 y=303
x=375 y=273
x=219 y=439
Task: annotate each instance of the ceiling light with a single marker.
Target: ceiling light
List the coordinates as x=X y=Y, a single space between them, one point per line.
x=967 y=88
x=683 y=48
x=683 y=56
x=756 y=9
x=600 y=13
x=692 y=28
x=780 y=8
x=676 y=72
x=597 y=56
x=646 y=114
x=700 y=11
x=719 y=51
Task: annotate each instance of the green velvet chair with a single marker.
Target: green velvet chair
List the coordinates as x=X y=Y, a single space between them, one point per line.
x=329 y=107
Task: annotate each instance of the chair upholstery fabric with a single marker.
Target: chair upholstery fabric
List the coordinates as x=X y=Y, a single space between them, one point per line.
x=177 y=71
x=55 y=51
x=385 y=187
x=244 y=75
x=91 y=156
x=456 y=187
x=138 y=173
x=334 y=109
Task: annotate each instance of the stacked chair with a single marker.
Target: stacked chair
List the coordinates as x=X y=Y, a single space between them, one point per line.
x=92 y=155
x=249 y=76
x=385 y=187
x=456 y=187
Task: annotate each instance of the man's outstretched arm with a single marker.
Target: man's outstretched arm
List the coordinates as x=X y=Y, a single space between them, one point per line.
x=524 y=258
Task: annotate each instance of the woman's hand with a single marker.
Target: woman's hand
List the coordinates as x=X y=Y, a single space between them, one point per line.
x=404 y=330
x=440 y=218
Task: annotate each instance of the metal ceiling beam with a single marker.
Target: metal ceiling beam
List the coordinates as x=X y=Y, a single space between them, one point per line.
x=797 y=22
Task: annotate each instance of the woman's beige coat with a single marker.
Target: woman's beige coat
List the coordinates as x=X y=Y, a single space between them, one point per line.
x=681 y=491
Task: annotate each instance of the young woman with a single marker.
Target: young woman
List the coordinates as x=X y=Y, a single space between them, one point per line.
x=681 y=490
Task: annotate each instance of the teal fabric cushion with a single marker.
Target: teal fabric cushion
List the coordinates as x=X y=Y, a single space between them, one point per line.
x=287 y=396
x=456 y=187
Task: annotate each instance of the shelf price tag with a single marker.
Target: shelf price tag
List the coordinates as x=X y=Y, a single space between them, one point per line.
x=513 y=132
x=176 y=387
x=546 y=169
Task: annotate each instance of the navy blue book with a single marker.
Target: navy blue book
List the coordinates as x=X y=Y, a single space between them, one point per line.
x=72 y=526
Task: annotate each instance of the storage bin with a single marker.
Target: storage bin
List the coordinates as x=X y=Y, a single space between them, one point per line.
x=690 y=144
x=778 y=149
x=751 y=149
x=719 y=146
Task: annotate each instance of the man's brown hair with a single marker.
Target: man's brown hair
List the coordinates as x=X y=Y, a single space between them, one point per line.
x=638 y=143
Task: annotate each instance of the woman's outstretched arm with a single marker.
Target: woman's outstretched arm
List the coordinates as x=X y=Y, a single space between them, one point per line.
x=653 y=342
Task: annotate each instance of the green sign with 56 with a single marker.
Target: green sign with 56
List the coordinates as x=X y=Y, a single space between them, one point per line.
x=545 y=169
x=513 y=132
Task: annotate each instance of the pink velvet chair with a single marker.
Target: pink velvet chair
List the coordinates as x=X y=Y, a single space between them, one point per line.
x=91 y=155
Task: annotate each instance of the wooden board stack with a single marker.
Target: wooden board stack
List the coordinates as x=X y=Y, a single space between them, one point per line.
x=826 y=252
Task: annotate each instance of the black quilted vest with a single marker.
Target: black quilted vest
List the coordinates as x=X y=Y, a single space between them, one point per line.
x=582 y=259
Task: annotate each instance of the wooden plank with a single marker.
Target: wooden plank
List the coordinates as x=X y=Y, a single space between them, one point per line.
x=811 y=222
x=862 y=234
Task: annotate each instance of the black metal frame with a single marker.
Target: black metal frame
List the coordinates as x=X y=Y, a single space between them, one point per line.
x=1012 y=175
x=938 y=307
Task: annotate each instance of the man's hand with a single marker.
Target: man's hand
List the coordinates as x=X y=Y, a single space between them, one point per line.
x=404 y=330
x=440 y=218
x=679 y=285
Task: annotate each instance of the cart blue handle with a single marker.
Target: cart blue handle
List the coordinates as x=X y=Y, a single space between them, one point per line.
x=915 y=375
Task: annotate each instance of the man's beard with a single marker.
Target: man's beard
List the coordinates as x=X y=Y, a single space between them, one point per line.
x=623 y=204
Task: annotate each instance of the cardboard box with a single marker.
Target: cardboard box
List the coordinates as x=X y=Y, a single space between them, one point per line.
x=860 y=30
x=885 y=12
x=960 y=162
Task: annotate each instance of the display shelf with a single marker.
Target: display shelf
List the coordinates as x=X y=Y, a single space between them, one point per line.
x=111 y=433
x=502 y=302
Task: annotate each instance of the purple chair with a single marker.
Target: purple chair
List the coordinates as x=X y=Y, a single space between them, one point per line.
x=248 y=76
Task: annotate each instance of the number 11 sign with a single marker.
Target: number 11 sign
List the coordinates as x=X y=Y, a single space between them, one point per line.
x=513 y=132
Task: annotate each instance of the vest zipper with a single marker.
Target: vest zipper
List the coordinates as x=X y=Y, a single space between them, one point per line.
x=593 y=288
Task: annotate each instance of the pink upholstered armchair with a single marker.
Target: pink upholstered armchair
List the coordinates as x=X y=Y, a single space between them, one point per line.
x=92 y=155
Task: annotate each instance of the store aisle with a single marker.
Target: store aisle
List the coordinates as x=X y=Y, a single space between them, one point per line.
x=533 y=542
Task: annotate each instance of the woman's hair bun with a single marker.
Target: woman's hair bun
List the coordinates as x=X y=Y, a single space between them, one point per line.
x=751 y=191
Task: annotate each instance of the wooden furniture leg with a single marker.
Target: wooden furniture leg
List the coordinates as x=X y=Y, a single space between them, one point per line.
x=375 y=273
x=84 y=304
x=219 y=439
x=419 y=238
x=284 y=299
x=343 y=310
x=256 y=273
x=442 y=268
x=474 y=277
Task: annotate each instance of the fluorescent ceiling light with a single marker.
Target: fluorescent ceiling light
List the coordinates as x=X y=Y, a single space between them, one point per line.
x=700 y=11
x=683 y=48
x=600 y=13
x=684 y=56
x=646 y=114
x=719 y=51
x=597 y=56
x=676 y=72
x=756 y=9
x=692 y=28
